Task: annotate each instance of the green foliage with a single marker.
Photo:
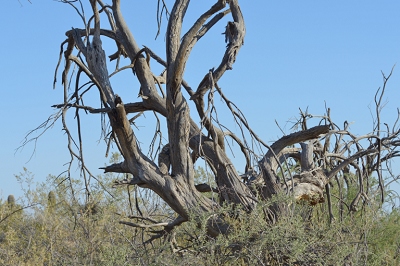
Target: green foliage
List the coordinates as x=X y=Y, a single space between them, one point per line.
x=62 y=229
x=369 y=238
x=202 y=176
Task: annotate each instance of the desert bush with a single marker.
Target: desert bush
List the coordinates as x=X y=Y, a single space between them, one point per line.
x=60 y=228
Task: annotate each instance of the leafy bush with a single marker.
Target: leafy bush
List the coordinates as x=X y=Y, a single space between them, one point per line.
x=59 y=229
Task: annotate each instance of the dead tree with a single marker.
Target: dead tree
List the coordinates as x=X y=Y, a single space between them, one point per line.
x=324 y=152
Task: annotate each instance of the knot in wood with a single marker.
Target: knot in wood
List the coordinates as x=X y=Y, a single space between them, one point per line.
x=117 y=100
x=164 y=161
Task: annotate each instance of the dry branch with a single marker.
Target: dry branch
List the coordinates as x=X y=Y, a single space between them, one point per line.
x=300 y=164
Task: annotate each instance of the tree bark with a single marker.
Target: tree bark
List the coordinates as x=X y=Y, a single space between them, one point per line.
x=173 y=177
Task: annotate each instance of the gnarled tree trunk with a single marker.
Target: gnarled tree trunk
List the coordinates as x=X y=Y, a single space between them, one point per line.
x=172 y=177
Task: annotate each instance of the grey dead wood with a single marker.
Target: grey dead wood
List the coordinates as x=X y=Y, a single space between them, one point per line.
x=171 y=175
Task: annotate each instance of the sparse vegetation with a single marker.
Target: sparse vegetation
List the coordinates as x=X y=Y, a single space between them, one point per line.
x=315 y=196
x=59 y=230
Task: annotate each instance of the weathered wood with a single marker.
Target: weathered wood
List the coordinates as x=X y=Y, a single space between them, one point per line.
x=269 y=163
x=172 y=177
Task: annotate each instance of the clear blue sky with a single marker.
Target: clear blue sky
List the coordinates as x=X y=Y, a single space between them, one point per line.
x=297 y=54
